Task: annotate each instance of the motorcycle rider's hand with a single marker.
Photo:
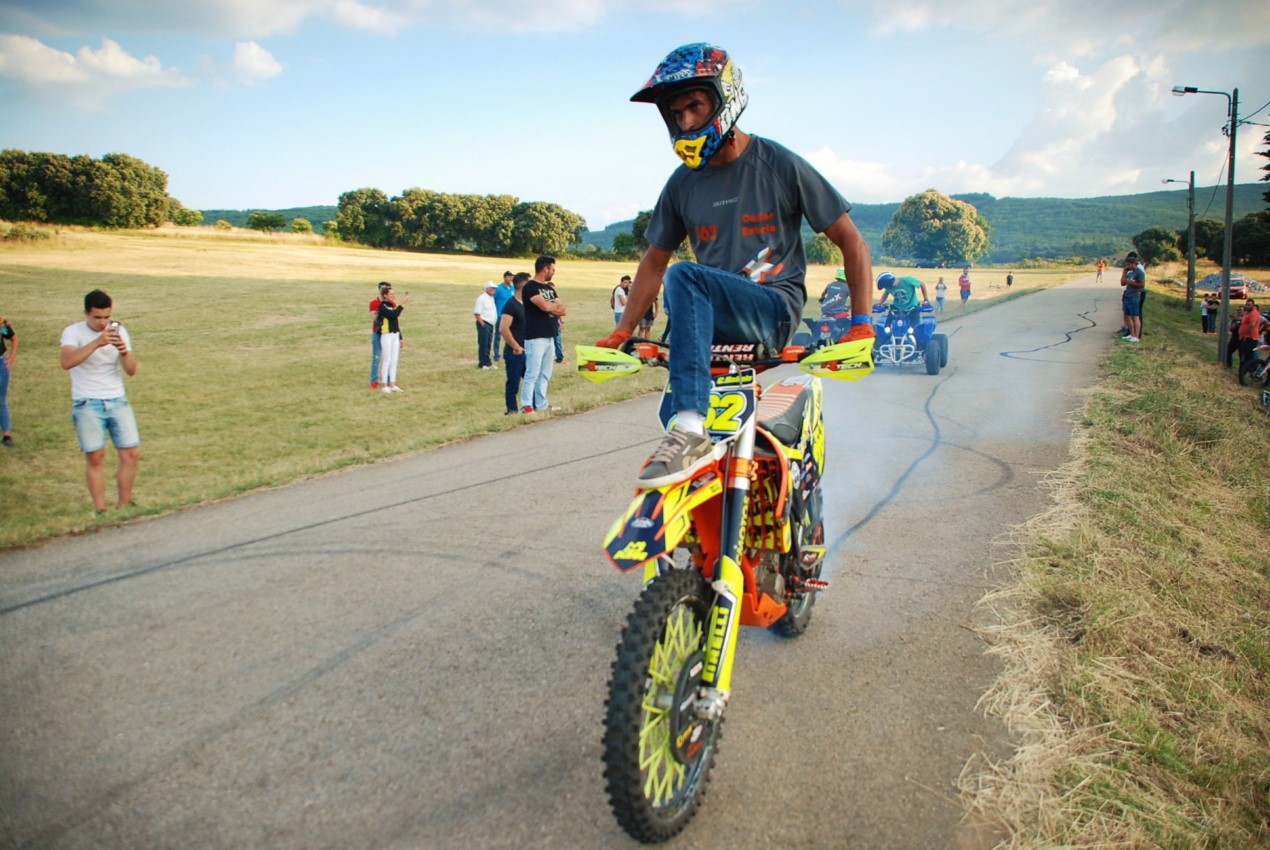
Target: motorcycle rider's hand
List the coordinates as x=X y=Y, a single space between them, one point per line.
x=859 y=332
x=614 y=340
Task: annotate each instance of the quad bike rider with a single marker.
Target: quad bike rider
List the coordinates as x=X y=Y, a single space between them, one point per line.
x=905 y=331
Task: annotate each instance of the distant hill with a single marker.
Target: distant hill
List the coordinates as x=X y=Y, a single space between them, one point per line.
x=1053 y=227
x=316 y=216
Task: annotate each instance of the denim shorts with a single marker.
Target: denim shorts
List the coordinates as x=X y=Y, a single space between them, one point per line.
x=1132 y=302
x=94 y=416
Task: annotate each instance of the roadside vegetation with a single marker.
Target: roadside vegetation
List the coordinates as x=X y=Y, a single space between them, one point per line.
x=1136 y=641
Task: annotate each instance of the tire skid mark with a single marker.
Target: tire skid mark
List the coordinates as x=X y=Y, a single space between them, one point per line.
x=937 y=439
x=1068 y=335
x=186 y=560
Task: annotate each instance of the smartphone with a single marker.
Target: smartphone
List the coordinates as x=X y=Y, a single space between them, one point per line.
x=114 y=326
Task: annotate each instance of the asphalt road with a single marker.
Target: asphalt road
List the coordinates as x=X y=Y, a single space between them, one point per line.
x=415 y=654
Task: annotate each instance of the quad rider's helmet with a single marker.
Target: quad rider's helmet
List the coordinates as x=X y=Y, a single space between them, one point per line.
x=841 y=275
x=692 y=67
x=886 y=280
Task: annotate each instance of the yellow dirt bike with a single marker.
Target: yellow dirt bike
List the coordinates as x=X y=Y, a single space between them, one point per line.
x=739 y=543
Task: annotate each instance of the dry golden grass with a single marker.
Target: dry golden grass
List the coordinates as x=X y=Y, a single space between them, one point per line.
x=1137 y=641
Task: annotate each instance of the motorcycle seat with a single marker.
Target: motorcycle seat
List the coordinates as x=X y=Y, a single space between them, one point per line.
x=782 y=407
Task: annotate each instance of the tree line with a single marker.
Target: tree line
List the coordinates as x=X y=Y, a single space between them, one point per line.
x=424 y=220
x=115 y=191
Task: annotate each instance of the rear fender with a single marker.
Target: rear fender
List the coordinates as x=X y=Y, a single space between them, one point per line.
x=657 y=520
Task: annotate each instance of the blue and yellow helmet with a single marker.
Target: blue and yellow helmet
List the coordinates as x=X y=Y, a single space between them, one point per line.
x=697 y=66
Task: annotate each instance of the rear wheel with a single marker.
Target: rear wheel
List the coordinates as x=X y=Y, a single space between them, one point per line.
x=931 y=355
x=657 y=753
x=811 y=532
x=1246 y=368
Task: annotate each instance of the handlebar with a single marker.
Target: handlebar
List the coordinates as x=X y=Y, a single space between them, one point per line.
x=656 y=353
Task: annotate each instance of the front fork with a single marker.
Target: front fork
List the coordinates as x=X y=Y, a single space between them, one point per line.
x=729 y=581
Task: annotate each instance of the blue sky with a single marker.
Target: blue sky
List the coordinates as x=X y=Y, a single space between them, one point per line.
x=266 y=104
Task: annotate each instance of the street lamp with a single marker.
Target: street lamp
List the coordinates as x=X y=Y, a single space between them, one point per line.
x=1190 y=231
x=1232 y=105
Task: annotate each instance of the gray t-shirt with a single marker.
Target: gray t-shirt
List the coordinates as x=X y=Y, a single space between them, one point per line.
x=733 y=212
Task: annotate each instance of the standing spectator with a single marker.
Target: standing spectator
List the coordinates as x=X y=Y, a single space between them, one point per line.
x=941 y=291
x=511 y=327
x=543 y=312
x=617 y=300
x=486 y=320
x=646 y=323
x=8 y=353
x=1009 y=280
x=1249 y=331
x=1203 y=315
x=374 y=336
x=1133 y=279
x=388 y=325
x=504 y=292
x=1102 y=264
x=1214 y=307
x=665 y=310
x=98 y=352
x=964 y=283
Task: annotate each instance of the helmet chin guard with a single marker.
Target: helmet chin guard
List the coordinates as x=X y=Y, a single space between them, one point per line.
x=708 y=68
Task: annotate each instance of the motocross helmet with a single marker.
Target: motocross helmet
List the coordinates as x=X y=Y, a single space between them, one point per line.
x=886 y=280
x=841 y=275
x=708 y=68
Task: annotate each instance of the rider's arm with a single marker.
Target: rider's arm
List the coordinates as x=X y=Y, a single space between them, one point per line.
x=925 y=297
x=856 y=260
x=644 y=289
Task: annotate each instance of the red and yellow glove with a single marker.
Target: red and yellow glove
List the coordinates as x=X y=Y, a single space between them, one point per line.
x=614 y=340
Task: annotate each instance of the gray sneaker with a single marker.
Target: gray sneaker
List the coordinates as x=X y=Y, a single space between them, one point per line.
x=680 y=454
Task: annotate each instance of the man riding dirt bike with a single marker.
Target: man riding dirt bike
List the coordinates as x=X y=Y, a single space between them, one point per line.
x=740 y=199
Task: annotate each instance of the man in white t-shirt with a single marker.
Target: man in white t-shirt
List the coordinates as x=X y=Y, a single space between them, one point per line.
x=620 y=293
x=97 y=351
x=486 y=314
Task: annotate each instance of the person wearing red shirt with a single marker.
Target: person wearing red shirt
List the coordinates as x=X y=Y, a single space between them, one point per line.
x=374 y=337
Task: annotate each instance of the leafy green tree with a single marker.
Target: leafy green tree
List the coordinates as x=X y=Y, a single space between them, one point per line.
x=301 y=225
x=1250 y=242
x=1266 y=167
x=820 y=249
x=933 y=226
x=1156 y=245
x=639 y=227
x=1208 y=232
x=266 y=222
x=543 y=228
x=187 y=217
x=624 y=245
x=362 y=216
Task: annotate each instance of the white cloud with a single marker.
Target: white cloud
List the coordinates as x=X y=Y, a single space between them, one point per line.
x=86 y=77
x=252 y=63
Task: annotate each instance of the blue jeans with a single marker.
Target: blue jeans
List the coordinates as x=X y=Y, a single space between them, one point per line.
x=4 y=396
x=94 y=416
x=515 y=365
x=538 y=365
x=374 y=358
x=713 y=306
x=559 y=346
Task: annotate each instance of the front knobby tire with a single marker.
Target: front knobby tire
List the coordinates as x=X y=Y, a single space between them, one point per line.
x=657 y=754
x=810 y=532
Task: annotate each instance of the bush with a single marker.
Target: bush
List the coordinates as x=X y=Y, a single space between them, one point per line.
x=221 y=224
x=25 y=233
